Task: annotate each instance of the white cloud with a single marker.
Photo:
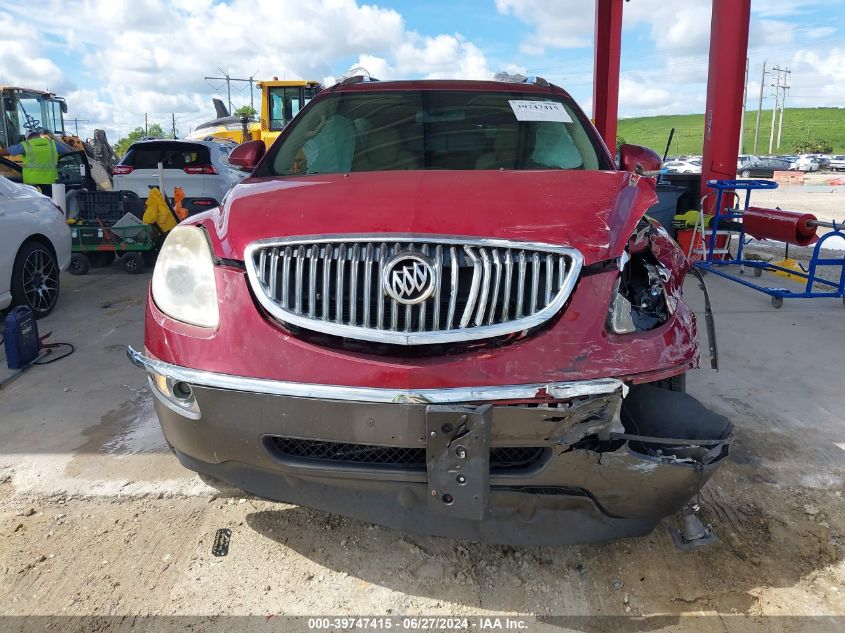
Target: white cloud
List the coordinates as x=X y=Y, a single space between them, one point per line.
x=820 y=32
x=23 y=59
x=816 y=78
x=671 y=76
x=152 y=55
x=768 y=33
x=556 y=24
x=682 y=25
x=439 y=57
x=787 y=8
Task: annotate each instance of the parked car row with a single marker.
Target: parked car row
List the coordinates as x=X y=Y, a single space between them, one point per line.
x=762 y=167
x=751 y=166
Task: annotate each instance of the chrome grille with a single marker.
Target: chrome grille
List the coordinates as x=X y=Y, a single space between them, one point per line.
x=481 y=288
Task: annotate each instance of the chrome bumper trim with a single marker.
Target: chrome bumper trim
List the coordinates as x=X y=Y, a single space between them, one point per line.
x=555 y=390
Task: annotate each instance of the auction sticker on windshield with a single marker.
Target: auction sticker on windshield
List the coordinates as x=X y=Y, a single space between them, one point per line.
x=526 y=110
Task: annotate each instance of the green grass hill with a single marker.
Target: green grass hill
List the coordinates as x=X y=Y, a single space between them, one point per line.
x=798 y=124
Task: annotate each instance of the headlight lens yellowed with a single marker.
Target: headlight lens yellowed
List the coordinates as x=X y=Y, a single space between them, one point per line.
x=183 y=280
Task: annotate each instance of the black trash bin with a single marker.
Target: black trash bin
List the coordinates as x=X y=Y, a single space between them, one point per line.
x=667 y=205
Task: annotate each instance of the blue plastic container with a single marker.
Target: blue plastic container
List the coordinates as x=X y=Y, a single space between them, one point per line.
x=20 y=337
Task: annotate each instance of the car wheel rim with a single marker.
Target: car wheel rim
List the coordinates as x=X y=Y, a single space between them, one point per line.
x=40 y=280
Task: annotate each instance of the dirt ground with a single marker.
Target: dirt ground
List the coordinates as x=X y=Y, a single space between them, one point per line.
x=98 y=519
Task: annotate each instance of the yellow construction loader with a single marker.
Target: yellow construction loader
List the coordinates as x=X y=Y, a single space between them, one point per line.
x=280 y=102
x=25 y=110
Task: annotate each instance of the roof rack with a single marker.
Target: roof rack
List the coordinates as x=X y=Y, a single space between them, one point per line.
x=539 y=81
x=357 y=79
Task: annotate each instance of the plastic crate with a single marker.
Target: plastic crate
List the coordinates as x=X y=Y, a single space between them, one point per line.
x=106 y=207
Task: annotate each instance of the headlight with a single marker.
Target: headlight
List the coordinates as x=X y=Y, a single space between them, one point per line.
x=183 y=280
x=640 y=301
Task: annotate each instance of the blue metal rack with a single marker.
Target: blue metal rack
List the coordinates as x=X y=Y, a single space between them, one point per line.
x=712 y=264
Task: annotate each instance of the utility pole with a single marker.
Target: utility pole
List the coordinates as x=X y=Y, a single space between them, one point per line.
x=146 y=127
x=173 y=123
x=776 y=86
x=785 y=87
x=742 y=120
x=229 y=80
x=76 y=123
x=759 y=107
x=251 y=95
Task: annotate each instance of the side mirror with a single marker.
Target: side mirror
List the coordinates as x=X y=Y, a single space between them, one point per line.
x=246 y=156
x=639 y=159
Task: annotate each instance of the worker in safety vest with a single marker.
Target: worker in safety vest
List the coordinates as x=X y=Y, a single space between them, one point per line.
x=40 y=159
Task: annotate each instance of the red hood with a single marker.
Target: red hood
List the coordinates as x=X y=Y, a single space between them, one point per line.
x=593 y=211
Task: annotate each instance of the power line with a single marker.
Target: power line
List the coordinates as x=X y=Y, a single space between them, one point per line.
x=229 y=80
x=76 y=123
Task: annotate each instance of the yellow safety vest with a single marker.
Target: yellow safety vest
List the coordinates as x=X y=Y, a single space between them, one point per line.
x=40 y=161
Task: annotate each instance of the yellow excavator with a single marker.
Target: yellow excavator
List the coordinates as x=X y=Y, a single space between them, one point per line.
x=25 y=110
x=280 y=102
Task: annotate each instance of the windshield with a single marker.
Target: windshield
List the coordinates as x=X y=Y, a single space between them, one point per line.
x=287 y=101
x=425 y=129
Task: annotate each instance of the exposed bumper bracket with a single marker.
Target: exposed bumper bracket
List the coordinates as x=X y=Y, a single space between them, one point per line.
x=458 y=460
x=693 y=533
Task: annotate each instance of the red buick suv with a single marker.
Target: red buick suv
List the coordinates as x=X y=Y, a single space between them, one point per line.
x=438 y=306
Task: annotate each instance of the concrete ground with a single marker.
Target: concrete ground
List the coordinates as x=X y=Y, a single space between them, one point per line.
x=98 y=518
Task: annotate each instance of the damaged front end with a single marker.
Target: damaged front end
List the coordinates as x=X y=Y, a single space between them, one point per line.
x=560 y=464
x=649 y=289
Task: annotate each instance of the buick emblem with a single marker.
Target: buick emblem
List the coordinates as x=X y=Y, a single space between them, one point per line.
x=408 y=278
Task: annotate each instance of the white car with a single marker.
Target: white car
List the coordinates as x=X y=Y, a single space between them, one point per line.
x=34 y=248
x=837 y=163
x=200 y=168
x=689 y=166
x=804 y=163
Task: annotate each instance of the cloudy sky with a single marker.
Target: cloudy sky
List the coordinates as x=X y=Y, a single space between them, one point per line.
x=115 y=60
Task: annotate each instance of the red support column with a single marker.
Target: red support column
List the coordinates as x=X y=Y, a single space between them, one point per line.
x=725 y=90
x=608 y=45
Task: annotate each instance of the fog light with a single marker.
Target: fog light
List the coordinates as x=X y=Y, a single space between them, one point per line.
x=177 y=395
x=182 y=390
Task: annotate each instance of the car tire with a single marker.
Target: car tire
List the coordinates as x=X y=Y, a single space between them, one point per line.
x=35 y=279
x=745 y=173
x=79 y=264
x=133 y=263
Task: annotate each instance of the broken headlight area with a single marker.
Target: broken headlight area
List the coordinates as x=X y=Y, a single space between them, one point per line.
x=644 y=296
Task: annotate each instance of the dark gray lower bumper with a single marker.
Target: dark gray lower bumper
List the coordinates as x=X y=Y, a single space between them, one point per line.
x=586 y=484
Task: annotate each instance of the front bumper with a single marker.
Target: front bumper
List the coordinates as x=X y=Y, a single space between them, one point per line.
x=523 y=464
